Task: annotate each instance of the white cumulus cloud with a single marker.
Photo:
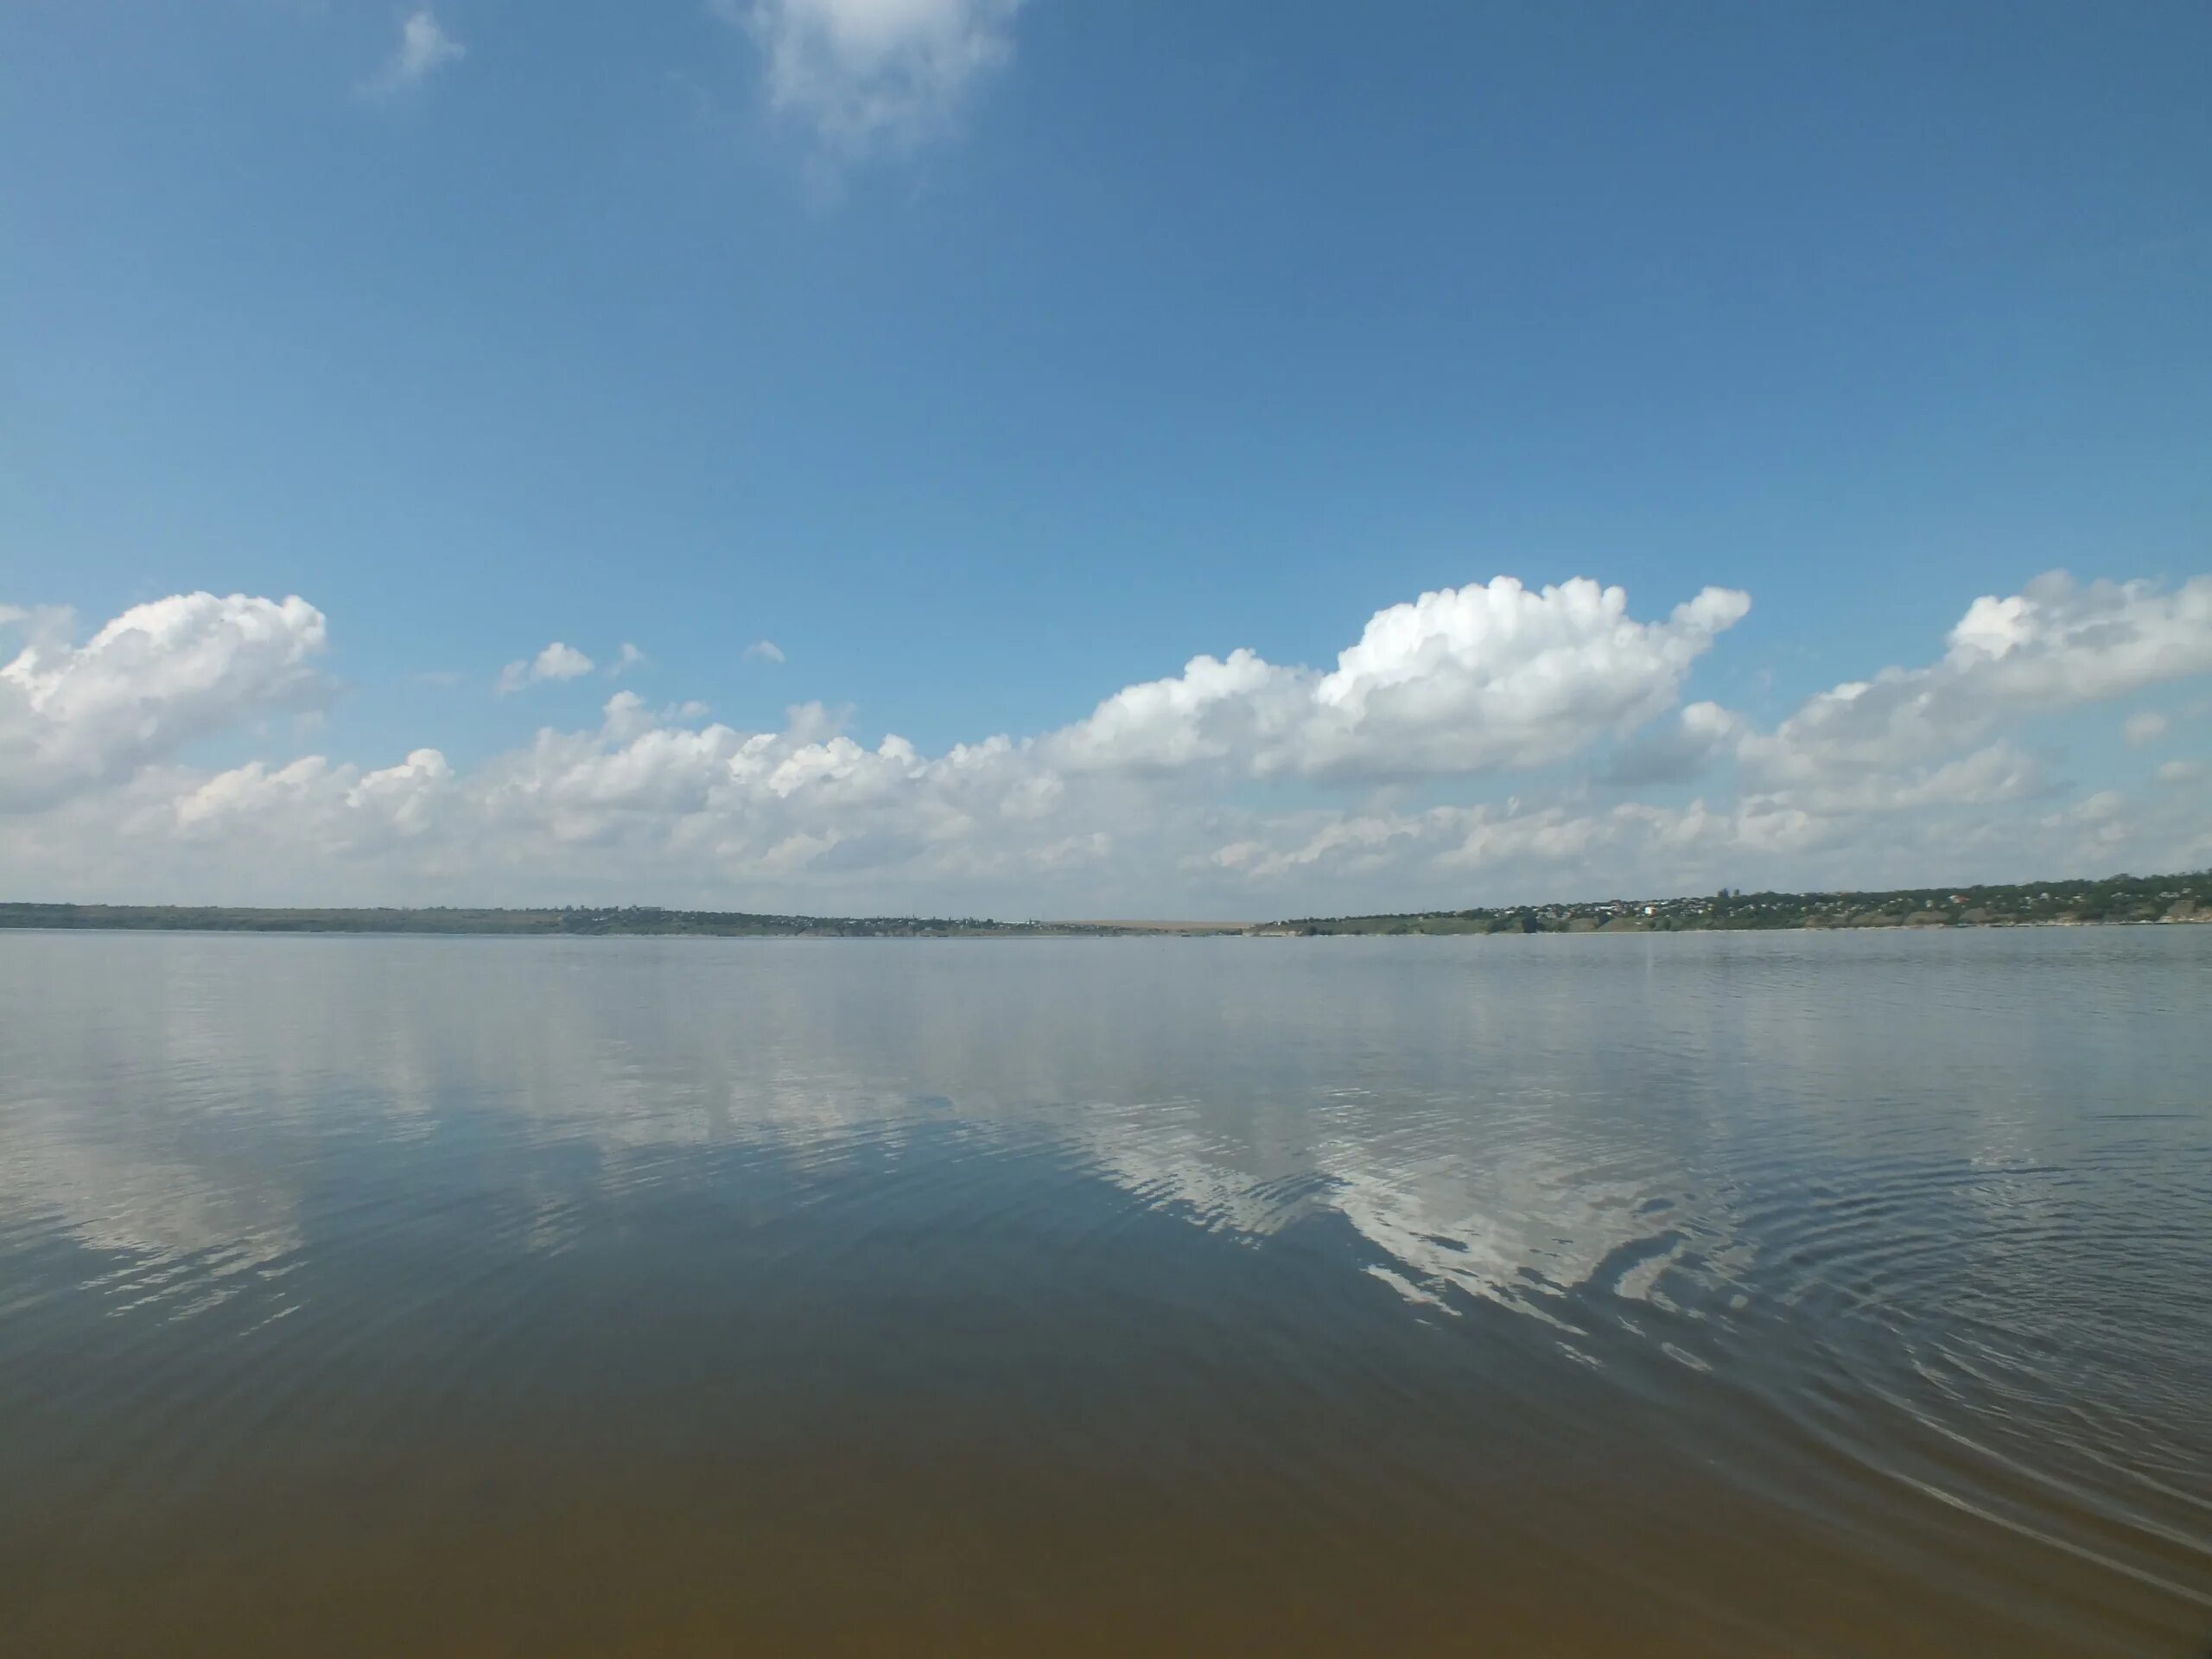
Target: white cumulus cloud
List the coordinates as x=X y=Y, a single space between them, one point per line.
x=1459 y=680
x=2055 y=644
x=765 y=650
x=158 y=678
x=555 y=662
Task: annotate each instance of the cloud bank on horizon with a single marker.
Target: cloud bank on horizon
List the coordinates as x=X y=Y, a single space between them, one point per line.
x=1486 y=742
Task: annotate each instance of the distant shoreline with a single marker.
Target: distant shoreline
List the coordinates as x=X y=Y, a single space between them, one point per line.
x=563 y=922
x=2120 y=899
x=2132 y=899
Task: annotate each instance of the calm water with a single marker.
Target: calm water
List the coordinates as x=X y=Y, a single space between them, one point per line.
x=1703 y=1295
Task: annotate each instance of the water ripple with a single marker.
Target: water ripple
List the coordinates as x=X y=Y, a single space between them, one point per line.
x=1702 y=1295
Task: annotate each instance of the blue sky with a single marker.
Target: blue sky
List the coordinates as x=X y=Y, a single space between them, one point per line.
x=989 y=358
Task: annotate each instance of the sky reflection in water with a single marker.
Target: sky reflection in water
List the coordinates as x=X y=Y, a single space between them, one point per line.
x=1844 y=1294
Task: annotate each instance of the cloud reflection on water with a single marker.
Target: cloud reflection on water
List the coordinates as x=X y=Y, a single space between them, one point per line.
x=1511 y=1126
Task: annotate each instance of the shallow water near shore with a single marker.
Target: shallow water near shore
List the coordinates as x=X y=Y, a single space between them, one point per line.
x=1670 y=1295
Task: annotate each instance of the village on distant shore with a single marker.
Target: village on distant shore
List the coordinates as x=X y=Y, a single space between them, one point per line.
x=2186 y=897
x=2128 y=898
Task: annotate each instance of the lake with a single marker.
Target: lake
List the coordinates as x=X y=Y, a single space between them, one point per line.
x=1694 y=1294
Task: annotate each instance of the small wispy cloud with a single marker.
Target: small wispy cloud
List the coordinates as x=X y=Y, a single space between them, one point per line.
x=629 y=658
x=555 y=662
x=2145 y=729
x=863 y=75
x=423 y=50
x=764 y=651
x=42 y=627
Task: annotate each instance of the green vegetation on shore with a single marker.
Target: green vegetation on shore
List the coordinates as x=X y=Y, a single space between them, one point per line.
x=2185 y=898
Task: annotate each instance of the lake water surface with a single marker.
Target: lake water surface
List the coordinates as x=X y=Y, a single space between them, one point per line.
x=1707 y=1294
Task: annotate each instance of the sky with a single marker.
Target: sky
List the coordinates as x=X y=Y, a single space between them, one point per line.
x=1043 y=457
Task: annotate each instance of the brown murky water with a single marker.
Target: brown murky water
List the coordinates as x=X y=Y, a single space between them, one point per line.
x=1784 y=1295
